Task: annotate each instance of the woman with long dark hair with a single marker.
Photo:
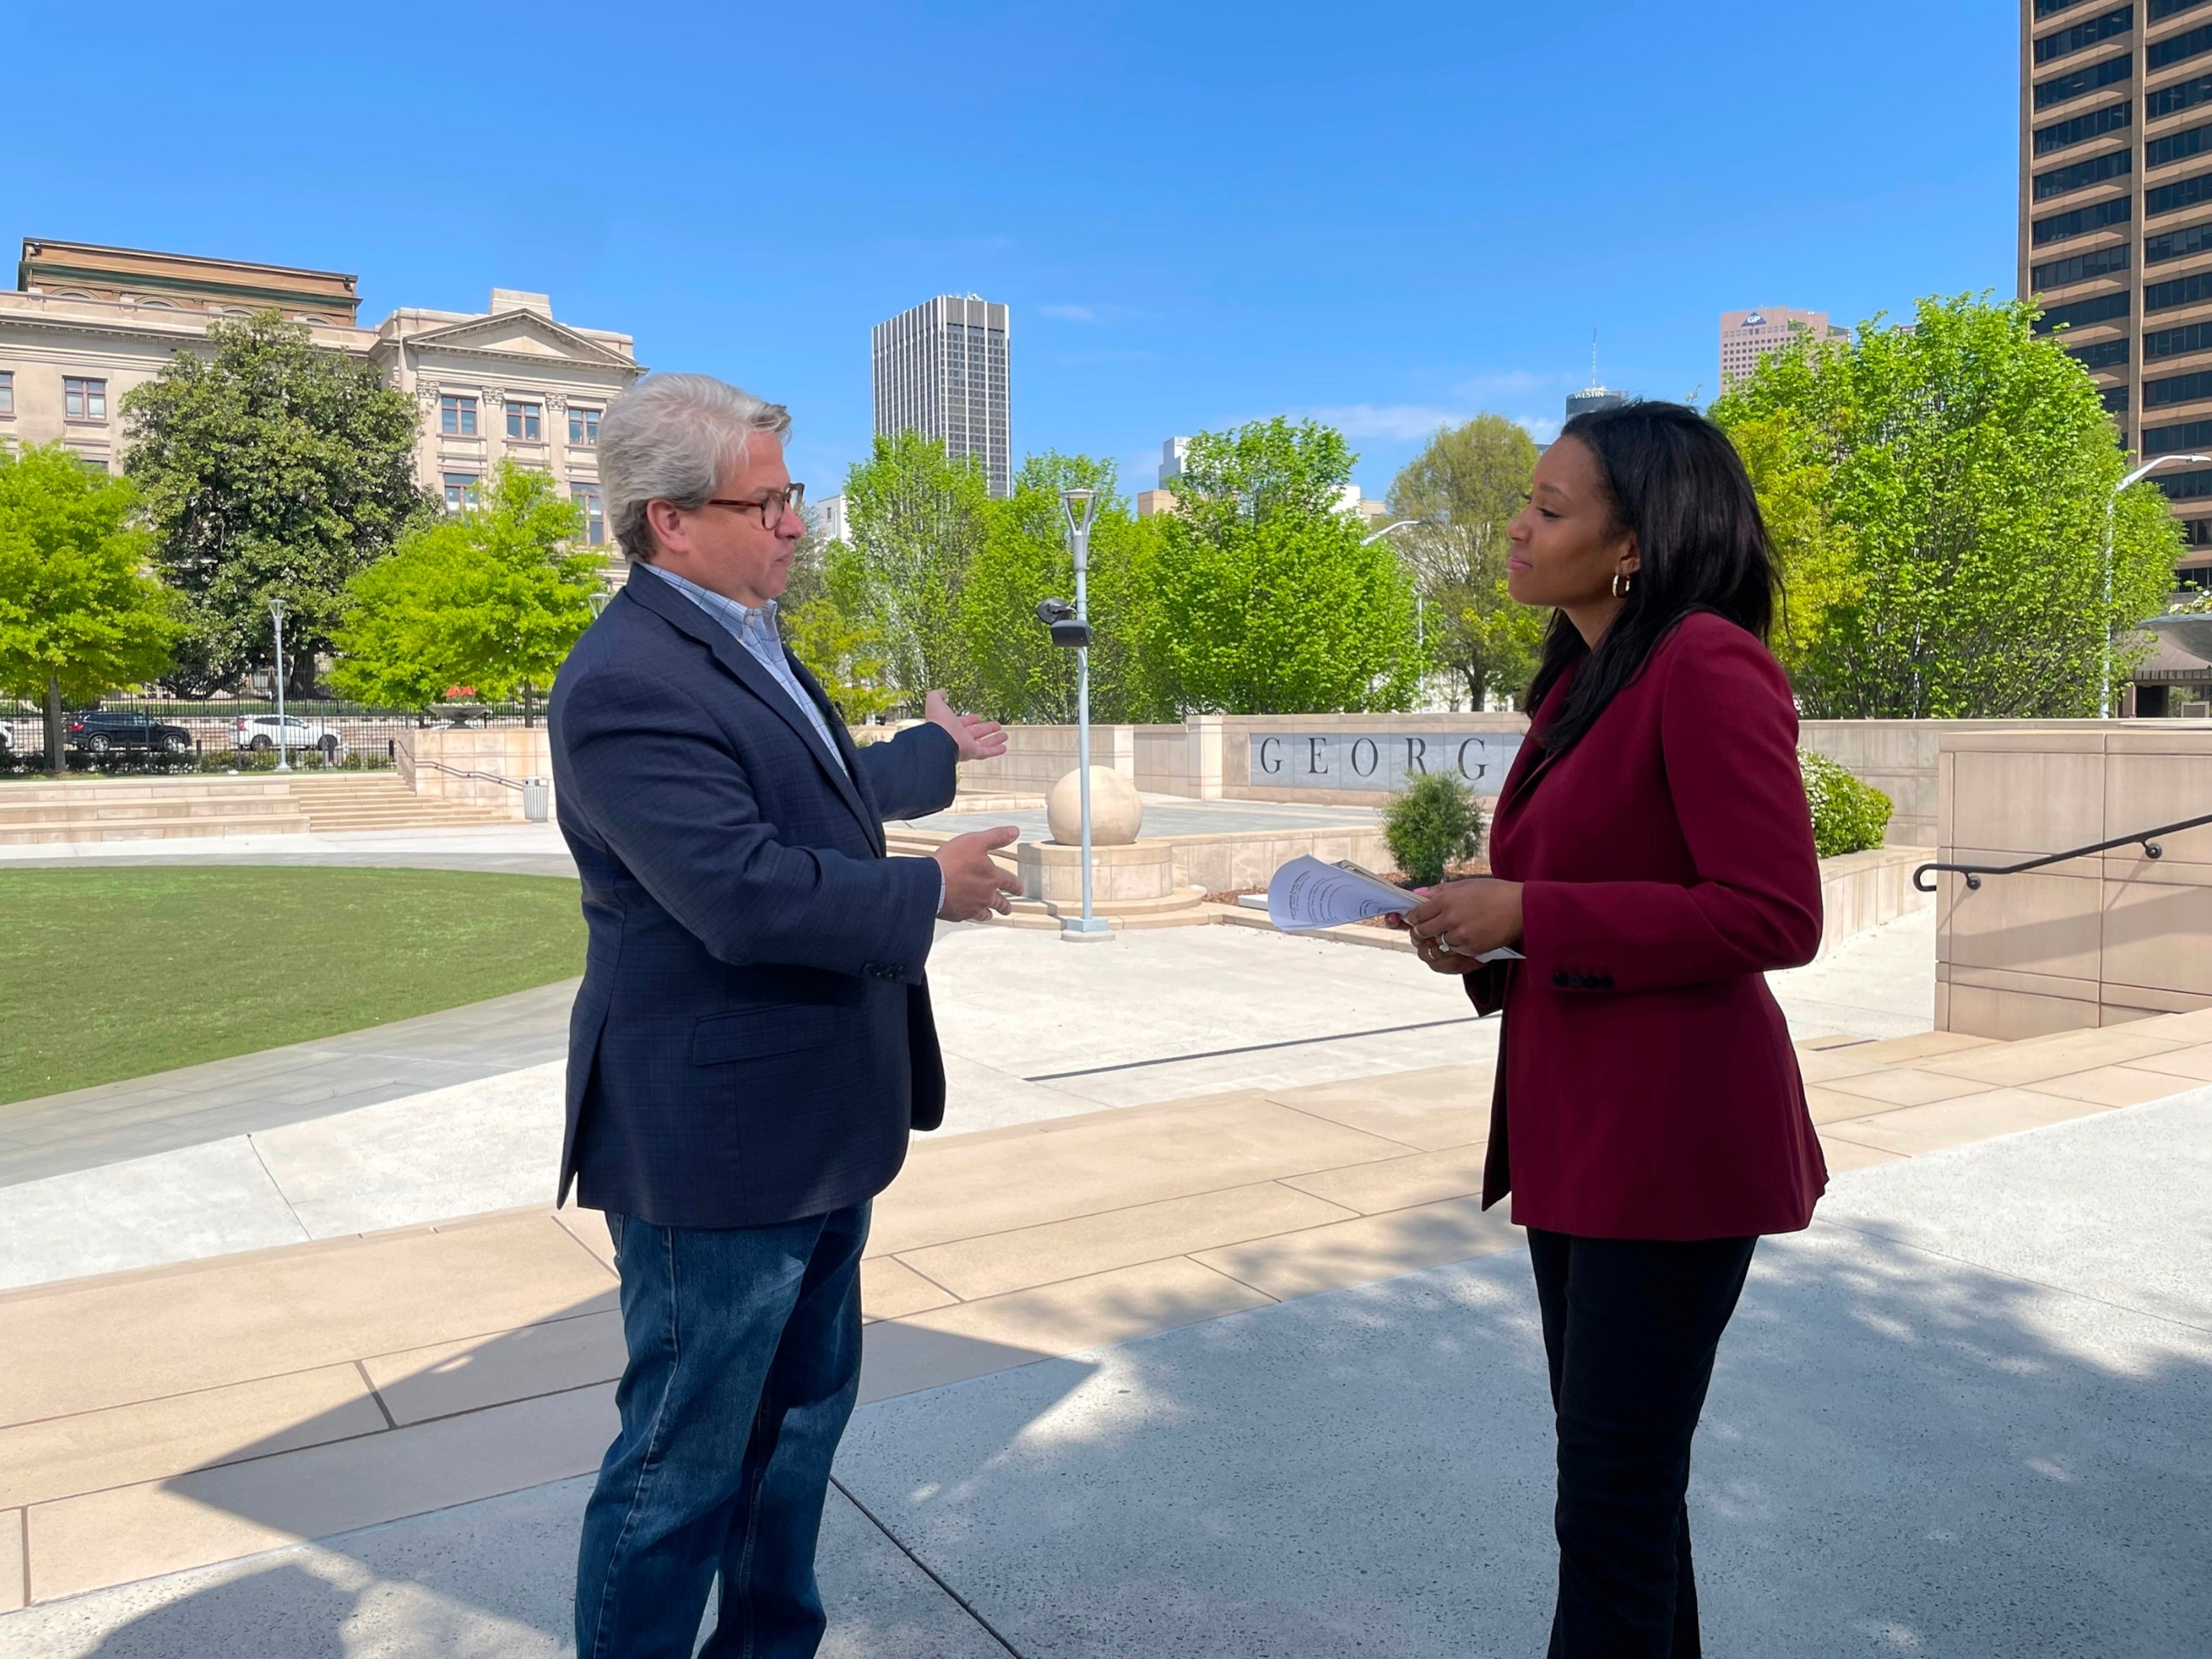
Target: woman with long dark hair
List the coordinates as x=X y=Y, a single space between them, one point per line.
x=1653 y=857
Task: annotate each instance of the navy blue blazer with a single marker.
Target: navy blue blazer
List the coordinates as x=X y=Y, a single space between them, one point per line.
x=753 y=1039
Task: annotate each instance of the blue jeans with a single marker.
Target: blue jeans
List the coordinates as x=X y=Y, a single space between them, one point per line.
x=745 y=1357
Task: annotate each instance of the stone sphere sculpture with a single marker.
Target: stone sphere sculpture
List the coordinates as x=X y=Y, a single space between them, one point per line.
x=1116 y=813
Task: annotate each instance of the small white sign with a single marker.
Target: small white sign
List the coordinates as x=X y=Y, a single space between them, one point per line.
x=1380 y=760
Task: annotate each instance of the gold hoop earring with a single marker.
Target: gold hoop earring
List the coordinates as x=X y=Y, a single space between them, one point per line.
x=1621 y=585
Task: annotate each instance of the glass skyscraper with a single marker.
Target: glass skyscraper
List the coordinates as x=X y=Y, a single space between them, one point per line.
x=2116 y=219
x=940 y=370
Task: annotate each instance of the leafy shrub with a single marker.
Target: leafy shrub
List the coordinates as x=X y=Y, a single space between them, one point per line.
x=1431 y=824
x=1849 y=816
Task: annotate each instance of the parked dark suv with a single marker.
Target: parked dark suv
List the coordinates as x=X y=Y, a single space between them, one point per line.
x=98 y=731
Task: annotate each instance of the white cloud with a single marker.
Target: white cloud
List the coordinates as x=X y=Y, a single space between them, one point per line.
x=1069 y=313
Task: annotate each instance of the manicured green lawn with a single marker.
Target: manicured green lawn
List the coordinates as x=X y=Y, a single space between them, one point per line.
x=108 y=973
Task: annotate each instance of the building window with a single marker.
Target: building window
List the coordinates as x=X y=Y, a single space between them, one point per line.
x=2103 y=355
x=595 y=512
x=2059 y=181
x=2064 y=43
x=7 y=391
x=526 y=421
x=2178 y=389
x=2177 y=342
x=2162 y=9
x=2196 y=532
x=2105 y=309
x=2088 y=78
x=2177 y=244
x=2182 y=291
x=2177 y=146
x=2116 y=400
x=2179 y=48
x=2095 y=125
x=583 y=426
x=2063 y=273
x=457 y=416
x=2062 y=226
x=84 y=400
x=461 y=492
x=2167 y=439
x=2183 y=486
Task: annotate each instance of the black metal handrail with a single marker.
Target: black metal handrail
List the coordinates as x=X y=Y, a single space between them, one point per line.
x=1974 y=872
x=457 y=772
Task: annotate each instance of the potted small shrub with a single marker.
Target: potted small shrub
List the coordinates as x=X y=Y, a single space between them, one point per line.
x=1431 y=824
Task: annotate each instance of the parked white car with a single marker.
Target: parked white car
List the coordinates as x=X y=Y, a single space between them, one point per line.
x=263 y=731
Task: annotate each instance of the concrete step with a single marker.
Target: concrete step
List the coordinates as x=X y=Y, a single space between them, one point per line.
x=259 y=823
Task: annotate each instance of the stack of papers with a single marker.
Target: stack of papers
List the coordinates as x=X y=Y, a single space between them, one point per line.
x=1306 y=894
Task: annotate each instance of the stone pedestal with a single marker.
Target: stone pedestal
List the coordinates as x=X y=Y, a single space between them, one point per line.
x=1130 y=884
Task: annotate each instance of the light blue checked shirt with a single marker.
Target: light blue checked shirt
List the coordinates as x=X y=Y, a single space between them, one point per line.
x=756 y=631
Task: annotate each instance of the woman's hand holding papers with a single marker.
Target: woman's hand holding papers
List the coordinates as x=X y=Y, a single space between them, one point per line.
x=1460 y=921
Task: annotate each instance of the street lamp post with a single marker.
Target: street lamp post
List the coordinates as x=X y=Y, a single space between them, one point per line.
x=283 y=737
x=1085 y=502
x=2134 y=477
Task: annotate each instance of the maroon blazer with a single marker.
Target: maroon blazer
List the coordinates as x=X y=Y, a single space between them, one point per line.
x=1646 y=1084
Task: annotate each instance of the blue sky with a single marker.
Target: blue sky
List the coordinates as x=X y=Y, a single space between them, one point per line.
x=1387 y=215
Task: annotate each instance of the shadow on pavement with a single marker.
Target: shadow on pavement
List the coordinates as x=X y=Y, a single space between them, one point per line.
x=1902 y=1453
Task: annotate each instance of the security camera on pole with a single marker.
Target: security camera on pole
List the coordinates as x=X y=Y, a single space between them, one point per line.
x=1071 y=628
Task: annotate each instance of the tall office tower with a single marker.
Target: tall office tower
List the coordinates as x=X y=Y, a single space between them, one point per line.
x=940 y=370
x=1748 y=336
x=2116 y=143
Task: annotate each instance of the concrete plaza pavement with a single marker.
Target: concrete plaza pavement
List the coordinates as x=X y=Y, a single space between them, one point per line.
x=1961 y=1416
x=460 y=1113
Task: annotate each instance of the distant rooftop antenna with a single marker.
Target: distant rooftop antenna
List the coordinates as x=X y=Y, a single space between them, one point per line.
x=1593 y=379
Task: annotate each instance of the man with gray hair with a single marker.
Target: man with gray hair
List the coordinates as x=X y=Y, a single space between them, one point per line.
x=752 y=1042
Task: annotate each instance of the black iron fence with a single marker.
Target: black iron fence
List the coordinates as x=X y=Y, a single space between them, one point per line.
x=223 y=734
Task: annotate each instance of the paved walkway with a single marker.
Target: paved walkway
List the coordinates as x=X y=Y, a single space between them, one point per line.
x=460 y=1113
x=521 y=849
x=1171 y=814
x=1961 y=1416
x=88 y=1129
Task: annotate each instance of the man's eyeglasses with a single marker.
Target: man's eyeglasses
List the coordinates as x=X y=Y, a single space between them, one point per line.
x=771 y=507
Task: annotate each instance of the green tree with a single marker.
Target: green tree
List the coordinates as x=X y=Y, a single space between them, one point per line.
x=79 y=616
x=1261 y=598
x=918 y=521
x=846 y=653
x=1943 y=493
x=1018 y=673
x=1818 y=555
x=271 y=468
x=1463 y=490
x=491 y=598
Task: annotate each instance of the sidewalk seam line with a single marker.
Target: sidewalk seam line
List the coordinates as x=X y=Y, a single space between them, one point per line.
x=1171 y=1198
x=324 y=1445
x=900 y=1544
x=1254 y=1049
x=305 y=1237
x=297 y=1371
x=376 y=1393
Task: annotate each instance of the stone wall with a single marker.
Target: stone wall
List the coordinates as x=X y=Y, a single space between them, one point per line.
x=1210 y=756
x=515 y=752
x=2096 y=940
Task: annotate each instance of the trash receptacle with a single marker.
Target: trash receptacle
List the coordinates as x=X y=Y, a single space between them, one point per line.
x=536 y=795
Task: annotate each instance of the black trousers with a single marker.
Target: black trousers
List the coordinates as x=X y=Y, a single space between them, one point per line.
x=1631 y=1326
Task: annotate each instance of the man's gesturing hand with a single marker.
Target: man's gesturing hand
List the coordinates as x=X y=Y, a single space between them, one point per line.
x=978 y=738
x=975 y=885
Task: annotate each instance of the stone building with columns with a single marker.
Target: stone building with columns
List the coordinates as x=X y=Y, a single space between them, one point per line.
x=86 y=323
